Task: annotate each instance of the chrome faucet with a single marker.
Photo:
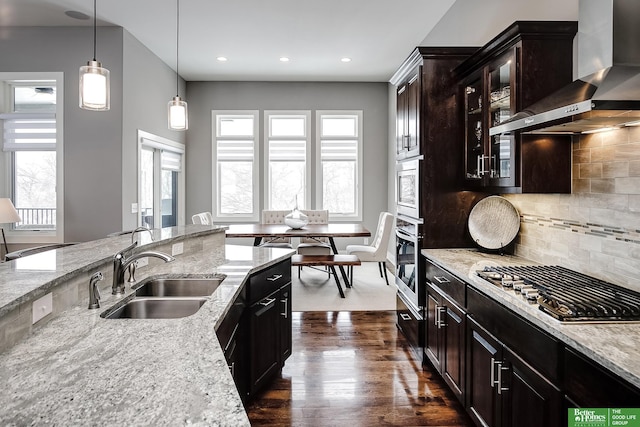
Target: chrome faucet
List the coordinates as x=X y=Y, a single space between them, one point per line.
x=132 y=266
x=121 y=262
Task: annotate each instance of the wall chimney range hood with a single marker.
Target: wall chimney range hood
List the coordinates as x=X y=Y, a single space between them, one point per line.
x=607 y=93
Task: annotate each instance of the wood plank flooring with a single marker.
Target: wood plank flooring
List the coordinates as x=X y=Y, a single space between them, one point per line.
x=354 y=369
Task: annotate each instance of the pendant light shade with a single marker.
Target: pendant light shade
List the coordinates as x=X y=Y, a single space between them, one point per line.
x=94 y=80
x=178 y=117
x=177 y=109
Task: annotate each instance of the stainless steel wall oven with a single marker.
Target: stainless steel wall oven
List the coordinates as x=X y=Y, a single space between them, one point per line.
x=408 y=269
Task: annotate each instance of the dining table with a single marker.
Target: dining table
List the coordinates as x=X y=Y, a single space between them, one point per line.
x=267 y=232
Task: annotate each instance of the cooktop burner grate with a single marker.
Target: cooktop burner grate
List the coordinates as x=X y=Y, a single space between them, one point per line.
x=566 y=294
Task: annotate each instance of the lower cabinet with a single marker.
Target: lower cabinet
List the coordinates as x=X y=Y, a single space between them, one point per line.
x=411 y=323
x=445 y=339
x=256 y=335
x=503 y=390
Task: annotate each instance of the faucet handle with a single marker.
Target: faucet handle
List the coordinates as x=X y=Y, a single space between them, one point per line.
x=94 y=291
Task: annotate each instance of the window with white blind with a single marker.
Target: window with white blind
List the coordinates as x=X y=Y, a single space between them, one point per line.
x=287 y=159
x=339 y=163
x=235 y=160
x=31 y=150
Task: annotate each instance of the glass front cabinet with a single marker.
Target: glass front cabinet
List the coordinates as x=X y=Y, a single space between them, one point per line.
x=490 y=161
x=520 y=66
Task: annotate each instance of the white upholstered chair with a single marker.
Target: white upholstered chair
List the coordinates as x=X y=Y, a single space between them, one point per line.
x=204 y=218
x=276 y=217
x=377 y=250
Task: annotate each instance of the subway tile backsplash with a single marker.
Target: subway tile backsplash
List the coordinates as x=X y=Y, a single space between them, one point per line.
x=596 y=229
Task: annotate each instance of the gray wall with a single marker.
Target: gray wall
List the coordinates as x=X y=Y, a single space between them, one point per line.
x=372 y=98
x=99 y=147
x=92 y=140
x=149 y=84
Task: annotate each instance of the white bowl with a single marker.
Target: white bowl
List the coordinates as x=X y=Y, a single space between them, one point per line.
x=296 y=223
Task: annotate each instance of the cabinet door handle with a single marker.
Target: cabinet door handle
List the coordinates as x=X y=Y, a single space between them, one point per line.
x=500 y=369
x=441 y=279
x=405 y=317
x=285 y=302
x=492 y=376
x=267 y=301
x=274 y=277
x=232 y=368
x=439 y=311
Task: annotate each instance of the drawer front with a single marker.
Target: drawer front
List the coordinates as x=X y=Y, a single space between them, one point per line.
x=228 y=328
x=267 y=281
x=447 y=283
x=591 y=386
x=411 y=324
x=532 y=344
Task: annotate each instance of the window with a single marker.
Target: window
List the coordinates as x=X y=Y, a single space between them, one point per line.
x=235 y=154
x=338 y=163
x=32 y=152
x=288 y=175
x=160 y=181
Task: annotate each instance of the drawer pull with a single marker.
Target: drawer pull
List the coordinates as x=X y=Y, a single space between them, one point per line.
x=274 y=277
x=267 y=301
x=441 y=279
x=405 y=317
x=285 y=302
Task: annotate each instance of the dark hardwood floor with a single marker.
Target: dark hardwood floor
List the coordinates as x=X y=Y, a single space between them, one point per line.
x=354 y=369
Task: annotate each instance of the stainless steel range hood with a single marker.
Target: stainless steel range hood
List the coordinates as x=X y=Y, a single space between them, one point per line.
x=607 y=93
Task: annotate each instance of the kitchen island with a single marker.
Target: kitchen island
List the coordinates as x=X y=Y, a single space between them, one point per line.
x=612 y=345
x=82 y=369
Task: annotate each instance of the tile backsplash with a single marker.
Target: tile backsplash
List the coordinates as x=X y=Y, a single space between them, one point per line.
x=596 y=229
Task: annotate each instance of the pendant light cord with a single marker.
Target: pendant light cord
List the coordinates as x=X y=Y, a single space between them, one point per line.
x=177 y=46
x=94 y=29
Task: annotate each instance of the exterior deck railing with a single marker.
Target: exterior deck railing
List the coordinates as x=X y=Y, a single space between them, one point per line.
x=36 y=218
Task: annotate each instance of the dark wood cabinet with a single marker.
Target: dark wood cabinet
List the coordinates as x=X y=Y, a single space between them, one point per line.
x=232 y=334
x=589 y=385
x=408 y=115
x=523 y=64
x=411 y=324
x=445 y=339
x=255 y=334
x=503 y=390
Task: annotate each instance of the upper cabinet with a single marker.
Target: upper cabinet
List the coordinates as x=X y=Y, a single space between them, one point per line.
x=408 y=98
x=523 y=64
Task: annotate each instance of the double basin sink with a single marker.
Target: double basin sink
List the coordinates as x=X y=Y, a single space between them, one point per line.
x=165 y=298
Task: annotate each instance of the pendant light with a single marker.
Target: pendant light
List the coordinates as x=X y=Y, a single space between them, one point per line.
x=178 y=118
x=94 y=80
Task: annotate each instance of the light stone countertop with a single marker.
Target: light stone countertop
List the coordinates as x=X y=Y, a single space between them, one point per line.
x=81 y=369
x=615 y=346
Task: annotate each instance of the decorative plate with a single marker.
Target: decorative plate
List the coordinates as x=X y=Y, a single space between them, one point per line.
x=494 y=222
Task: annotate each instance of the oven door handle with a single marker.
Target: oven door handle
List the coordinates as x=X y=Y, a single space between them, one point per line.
x=407 y=236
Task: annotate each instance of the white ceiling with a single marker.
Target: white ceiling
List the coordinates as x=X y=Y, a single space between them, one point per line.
x=253 y=34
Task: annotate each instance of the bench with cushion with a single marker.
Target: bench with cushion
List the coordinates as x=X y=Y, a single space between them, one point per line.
x=330 y=261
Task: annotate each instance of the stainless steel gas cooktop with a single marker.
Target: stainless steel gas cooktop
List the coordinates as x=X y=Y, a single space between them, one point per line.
x=567 y=295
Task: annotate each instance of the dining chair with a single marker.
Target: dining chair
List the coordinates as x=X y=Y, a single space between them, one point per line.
x=377 y=250
x=204 y=218
x=315 y=245
x=275 y=217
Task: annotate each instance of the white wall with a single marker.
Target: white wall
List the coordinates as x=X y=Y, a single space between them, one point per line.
x=372 y=98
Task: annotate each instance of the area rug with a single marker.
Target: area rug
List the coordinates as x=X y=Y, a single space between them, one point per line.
x=316 y=291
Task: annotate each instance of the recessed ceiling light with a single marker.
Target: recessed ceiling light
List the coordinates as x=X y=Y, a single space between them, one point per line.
x=222 y=58
x=345 y=59
x=284 y=59
x=76 y=15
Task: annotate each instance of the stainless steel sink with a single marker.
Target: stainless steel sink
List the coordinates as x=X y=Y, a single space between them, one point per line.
x=155 y=308
x=180 y=287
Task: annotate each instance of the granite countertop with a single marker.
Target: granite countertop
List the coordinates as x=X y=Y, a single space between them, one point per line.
x=81 y=369
x=613 y=345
